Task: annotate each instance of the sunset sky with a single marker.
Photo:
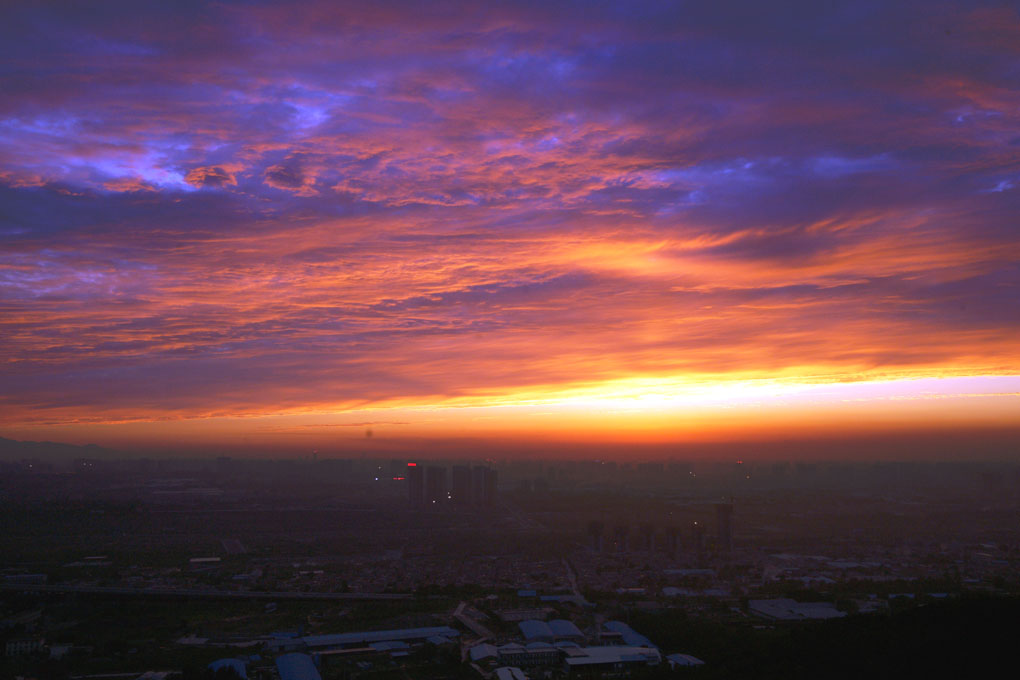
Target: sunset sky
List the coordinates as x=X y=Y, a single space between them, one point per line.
x=292 y=224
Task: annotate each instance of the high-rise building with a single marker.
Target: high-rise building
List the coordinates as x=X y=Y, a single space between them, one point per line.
x=698 y=537
x=647 y=538
x=595 y=531
x=435 y=486
x=490 y=486
x=397 y=469
x=415 y=485
x=483 y=485
x=724 y=525
x=673 y=541
x=461 y=485
x=621 y=538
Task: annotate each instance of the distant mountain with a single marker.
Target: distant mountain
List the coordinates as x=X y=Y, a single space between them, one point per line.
x=11 y=449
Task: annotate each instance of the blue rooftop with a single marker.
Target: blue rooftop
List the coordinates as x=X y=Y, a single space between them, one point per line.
x=564 y=628
x=297 y=667
x=532 y=629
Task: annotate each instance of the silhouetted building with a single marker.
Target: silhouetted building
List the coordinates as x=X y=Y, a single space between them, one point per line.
x=724 y=525
x=435 y=486
x=397 y=469
x=621 y=538
x=483 y=485
x=415 y=485
x=461 y=485
x=595 y=531
x=490 y=486
x=647 y=537
x=478 y=484
x=673 y=541
x=698 y=537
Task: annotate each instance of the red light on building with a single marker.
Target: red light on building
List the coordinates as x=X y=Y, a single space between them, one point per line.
x=398 y=479
x=412 y=465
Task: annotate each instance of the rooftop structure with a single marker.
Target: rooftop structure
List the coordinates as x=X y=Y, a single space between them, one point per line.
x=533 y=654
x=676 y=660
x=297 y=667
x=629 y=636
x=783 y=609
x=536 y=630
x=365 y=638
x=609 y=658
x=510 y=673
x=565 y=630
x=482 y=651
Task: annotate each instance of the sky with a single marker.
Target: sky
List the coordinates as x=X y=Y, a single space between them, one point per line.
x=323 y=224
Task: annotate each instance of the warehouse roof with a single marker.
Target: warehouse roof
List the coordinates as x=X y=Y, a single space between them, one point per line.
x=297 y=667
x=533 y=629
x=365 y=637
x=564 y=628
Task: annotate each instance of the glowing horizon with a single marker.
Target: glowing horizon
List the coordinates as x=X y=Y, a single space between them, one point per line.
x=636 y=222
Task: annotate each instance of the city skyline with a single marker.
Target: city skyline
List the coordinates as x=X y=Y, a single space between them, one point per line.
x=390 y=227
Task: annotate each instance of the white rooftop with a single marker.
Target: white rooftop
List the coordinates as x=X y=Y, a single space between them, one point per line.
x=587 y=656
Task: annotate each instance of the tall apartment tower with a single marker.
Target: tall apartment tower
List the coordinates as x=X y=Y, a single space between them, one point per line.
x=724 y=525
x=415 y=486
x=483 y=485
x=435 y=486
x=595 y=531
x=621 y=538
x=647 y=538
x=490 y=486
x=673 y=541
x=461 y=485
x=698 y=538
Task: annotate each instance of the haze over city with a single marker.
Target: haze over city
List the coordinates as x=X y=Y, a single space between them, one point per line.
x=255 y=225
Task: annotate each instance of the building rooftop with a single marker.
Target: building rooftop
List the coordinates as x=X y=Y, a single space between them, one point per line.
x=482 y=651
x=784 y=609
x=510 y=673
x=590 y=656
x=532 y=629
x=297 y=667
x=367 y=637
x=684 y=660
x=564 y=628
x=628 y=634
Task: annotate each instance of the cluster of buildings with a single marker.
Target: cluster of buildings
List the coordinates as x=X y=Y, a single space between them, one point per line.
x=671 y=539
x=559 y=644
x=471 y=486
x=613 y=650
x=302 y=657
